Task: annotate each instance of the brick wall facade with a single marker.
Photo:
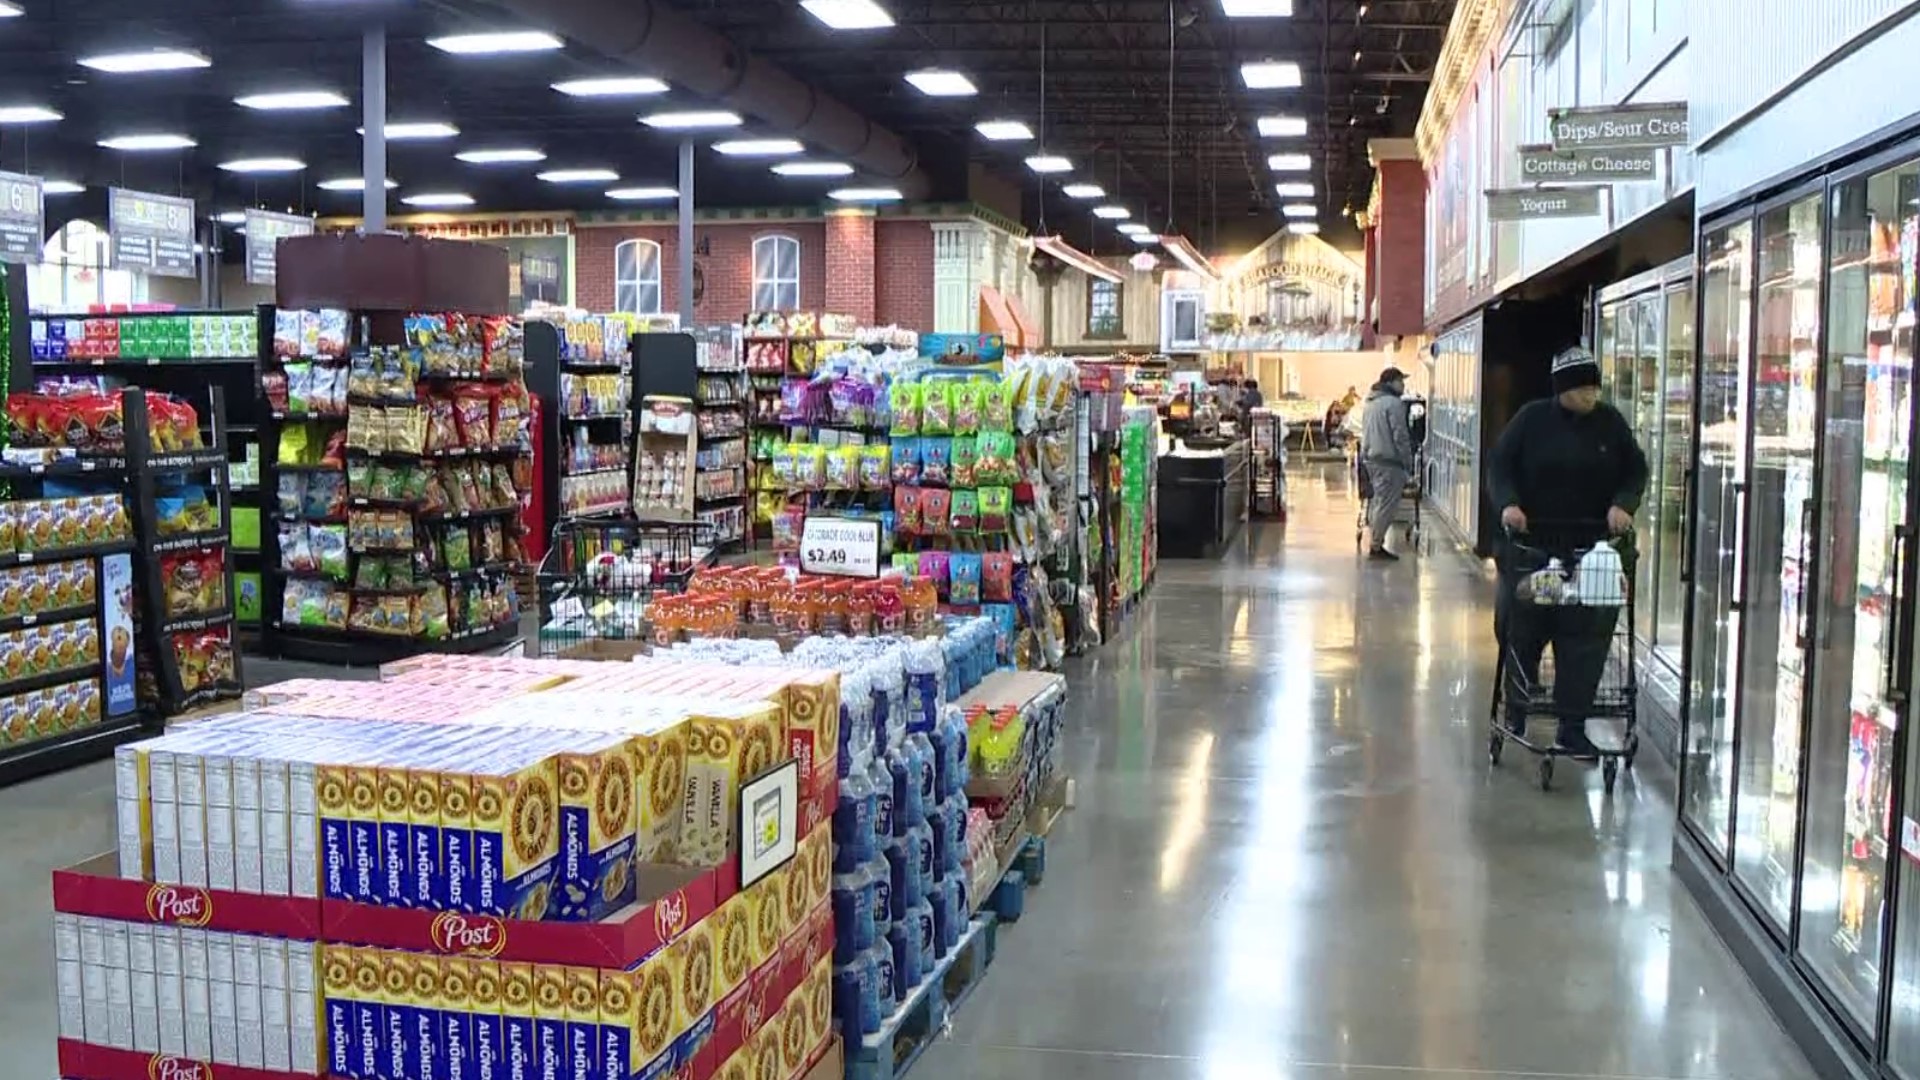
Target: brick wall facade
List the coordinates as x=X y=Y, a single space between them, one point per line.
x=1400 y=248
x=879 y=271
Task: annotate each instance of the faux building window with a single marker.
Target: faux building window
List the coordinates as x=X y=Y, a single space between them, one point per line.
x=776 y=273
x=1103 y=310
x=636 y=277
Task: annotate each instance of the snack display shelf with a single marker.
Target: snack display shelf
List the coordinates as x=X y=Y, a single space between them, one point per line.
x=148 y=362
x=47 y=555
x=50 y=615
x=76 y=466
x=58 y=753
x=195 y=623
x=199 y=541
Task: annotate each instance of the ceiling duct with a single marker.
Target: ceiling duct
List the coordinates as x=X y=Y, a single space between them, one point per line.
x=660 y=41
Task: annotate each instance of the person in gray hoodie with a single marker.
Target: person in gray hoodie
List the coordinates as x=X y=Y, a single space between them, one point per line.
x=1386 y=449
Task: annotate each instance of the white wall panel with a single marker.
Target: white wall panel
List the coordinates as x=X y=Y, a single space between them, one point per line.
x=1745 y=50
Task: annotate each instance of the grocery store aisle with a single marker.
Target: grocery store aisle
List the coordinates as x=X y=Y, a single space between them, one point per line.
x=1290 y=859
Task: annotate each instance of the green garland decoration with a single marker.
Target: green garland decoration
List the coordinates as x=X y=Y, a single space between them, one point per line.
x=6 y=366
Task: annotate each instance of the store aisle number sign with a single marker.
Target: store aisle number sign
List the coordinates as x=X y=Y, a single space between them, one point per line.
x=265 y=230
x=22 y=218
x=1651 y=126
x=151 y=233
x=842 y=547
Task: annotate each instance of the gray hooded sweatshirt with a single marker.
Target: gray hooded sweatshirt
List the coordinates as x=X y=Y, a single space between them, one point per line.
x=1386 y=435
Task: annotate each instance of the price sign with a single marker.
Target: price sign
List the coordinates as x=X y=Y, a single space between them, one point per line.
x=22 y=218
x=843 y=547
x=151 y=233
x=264 y=232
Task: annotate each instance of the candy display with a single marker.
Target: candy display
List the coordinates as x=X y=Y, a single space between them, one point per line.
x=144 y=337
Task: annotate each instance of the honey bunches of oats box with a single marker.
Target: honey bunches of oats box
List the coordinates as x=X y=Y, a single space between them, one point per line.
x=395 y=815
x=517 y=1020
x=639 y=1016
x=692 y=956
x=583 y=1024
x=594 y=873
x=550 y=1020
x=796 y=1036
x=488 y=1025
x=733 y=943
x=515 y=837
x=396 y=1006
x=725 y=748
x=770 y=923
x=659 y=776
x=818 y=990
x=369 y=1017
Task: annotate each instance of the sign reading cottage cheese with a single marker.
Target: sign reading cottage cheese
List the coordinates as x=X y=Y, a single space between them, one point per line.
x=1544 y=164
x=1651 y=126
x=1528 y=204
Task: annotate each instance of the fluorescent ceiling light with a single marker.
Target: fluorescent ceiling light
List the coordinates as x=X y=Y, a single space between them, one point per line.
x=865 y=194
x=580 y=176
x=263 y=165
x=438 y=198
x=936 y=82
x=1079 y=260
x=231 y=217
x=293 y=99
x=616 y=86
x=643 y=194
x=1256 y=9
x=511 y=41
x=1003 y=130
x=27 y=114
x=148 y=142
x=134 y=63
x=1049 y=163
x=1290 y=163
x=1283 y=127
x=1084 y=191
x=848 y=14
x=1303 y=228
x=429 y=129
x=1143 y=238
x=1132 y=228
x=1300 y=210
x=757 y=147
x=1294 y=189
x=813 y=168
x=62 y=187
x=687 y=121
x=351 y=183
x=1189 y=256
x=1112 y=213
x=10 y=10
x=500 y=157
x=1270 y=75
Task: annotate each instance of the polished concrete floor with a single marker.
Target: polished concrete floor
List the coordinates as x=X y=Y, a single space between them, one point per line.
x=1289 y=860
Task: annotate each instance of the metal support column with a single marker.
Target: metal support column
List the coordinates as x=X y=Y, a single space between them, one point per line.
x=373 y=146
x=686 y=234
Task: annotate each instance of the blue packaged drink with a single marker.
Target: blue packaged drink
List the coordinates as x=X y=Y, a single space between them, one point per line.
x=853 y=915
x=926 y=934
x=920 y=750
x=853 y=823
x=883 y=810
x=954 y=892
x=886 y=981
x=903 y=871
x=908 y=969
x=880 y=873
x=907 y=809
x=942 y=919
x=953 y=818
x=857 y=995
x=925 y=872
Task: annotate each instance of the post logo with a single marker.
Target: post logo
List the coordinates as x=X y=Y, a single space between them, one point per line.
x=670 y=915
x=168 y=1067
x=179 y=905
x=454 y=934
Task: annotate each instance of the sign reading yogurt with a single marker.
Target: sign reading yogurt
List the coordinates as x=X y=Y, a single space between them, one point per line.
x=1544 y=164
x=1529 y=204
x=22 y=218
x=264 y=232
x=842 y=547
x=151 y=233
x=1653 y=126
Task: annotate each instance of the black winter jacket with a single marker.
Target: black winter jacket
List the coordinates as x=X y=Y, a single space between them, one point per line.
x=1565 y=470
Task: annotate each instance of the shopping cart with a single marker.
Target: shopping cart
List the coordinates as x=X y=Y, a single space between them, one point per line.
x=1587 y=621
x=1407 y=514
x=599 y=575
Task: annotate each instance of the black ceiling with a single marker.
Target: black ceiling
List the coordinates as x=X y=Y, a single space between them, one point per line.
x=1106 y=101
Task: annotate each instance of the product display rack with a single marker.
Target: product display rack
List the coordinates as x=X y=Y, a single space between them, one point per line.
x=722 y=401
x=778 y=348
x=584 y=463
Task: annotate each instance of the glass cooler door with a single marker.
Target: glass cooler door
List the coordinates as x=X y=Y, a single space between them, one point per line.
x=1779 y=546
x=1707 y=753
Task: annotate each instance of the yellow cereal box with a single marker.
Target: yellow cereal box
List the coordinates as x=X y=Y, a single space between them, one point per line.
x=766 y=1051
x=770 y=924
x=455 y=887
x=423 y=839
x=739 y=1066
x=455 y=1017
x=363 y=833
x=733 y=943
x=515 y=837
x=818 y=990
x=594 y=876
x=728 y=747
x=486 y=1024
x=345 y=1009
x=519 y=1041
x=657 y=1020
x=395 y=818
x=583 y=1023
x=798 y=886
x=659 y=778
x=549 y=1018
x=332 y=786
x=817 y=850
x=426 y=1043
x=796 y=1037
x=813 y=719
x=693 y=968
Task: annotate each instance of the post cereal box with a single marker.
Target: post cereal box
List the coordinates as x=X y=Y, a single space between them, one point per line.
x=797 y=886
x=423 y=840
x=693 y=959
x=515 y=837
x=655 y=1012
x=817 y=851
x=427 y=1044
x=489 y=1026
x=659 y=778
x=766 y=1051
x=594 y=876
x=733 y=943
x=339 y=1011
x=813 y=720
x=456 y=1018
x=516 y=1011
x=396 y=841
x=370 y=1014
x=456 y=888
x=739 y=1066
x=818 y=991
x=397 y=1051
x=336 y=841
x=768 y=897
x=550 y=1021
x=725 y=748
x=363 y=833
x=583 y=1024
x=796 y=1038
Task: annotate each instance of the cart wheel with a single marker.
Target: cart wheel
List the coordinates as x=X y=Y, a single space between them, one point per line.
x=1609 y=773
x=1632 y=748
x=1546 y=772
x=1494 y=745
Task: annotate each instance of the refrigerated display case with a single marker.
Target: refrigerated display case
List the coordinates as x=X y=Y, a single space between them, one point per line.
x=1452 y=482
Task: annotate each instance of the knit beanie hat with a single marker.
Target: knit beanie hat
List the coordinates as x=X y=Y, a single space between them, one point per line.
x=1573 y=369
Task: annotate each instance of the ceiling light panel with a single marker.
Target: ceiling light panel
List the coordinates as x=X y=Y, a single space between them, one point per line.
x=1256 y=9
x=1300 y=210
x=936 y=82
x=1143 y=238
x=351 y=183
x=293 y=99
x=848 y=14
x=501 y=156
x=1283 y=127
x=1270 y=75
x=138 y=143
x=62 y=187
x=1303 y=228
x=616 y=86
x=27 y=114
x=757 y=147
x=1084 y=191
x=691 y=120
x=10 y=10
x=263 y=165
x=1294 y=189
x=510 y=41
x=813 y=168
x=1290 y=163
x=136 y=63
x=643 y=194
x=438 y=199
x=1049 y=163
x=1112 y=213
x=865 y=194
x=1133 y=228
x=580 y=176
x=416 y=130
x=232 y=217
x=1003 y=130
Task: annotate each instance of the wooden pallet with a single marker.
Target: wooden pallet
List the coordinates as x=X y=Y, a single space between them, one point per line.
x=906 y=1034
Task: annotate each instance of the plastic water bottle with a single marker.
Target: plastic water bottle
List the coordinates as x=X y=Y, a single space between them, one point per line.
x=1601 y=579
x=925 y=872
x=925 y=771
x=908 y=968
x=885 y=909
x=853 y=914
x=881 y=781
x=907 y=807
x=853 y=828
x=886 y=981
x=926 y=935
x=953 y=824
x=858 y=993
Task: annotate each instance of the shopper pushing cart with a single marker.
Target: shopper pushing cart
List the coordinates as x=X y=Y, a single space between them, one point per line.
x=1566 y=475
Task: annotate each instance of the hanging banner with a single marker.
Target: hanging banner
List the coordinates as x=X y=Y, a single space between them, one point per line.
x=151 y=233
x=1654 y=125
x=1544 y=164
x=264 y=232
x=1528 y=204
x=22 y=218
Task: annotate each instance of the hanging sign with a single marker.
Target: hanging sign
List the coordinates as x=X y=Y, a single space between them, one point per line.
x=1653 y=125
x=539 y=277
x=842 y=547
x=1529 y=204
x=22 y=218
x=151 y=233
x=1544 y=164
x=264 y=232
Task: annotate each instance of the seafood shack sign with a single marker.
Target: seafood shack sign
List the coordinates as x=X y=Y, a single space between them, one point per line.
x=1305 y=296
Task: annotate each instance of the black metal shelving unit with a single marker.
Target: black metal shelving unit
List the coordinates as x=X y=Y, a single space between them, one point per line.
x=546 y=371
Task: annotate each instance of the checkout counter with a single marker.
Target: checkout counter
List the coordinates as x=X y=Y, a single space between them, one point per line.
x=1203 y=495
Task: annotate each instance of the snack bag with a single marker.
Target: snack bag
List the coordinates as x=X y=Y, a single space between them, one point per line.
x=963 y=457
x=936 y=407
x=996 y=509
x=811 y=467
x=996 y=463
x=964 y=571
x=934 y=567
x=907 y=563
x=996 y=576
x=965 y=511
x=996 y=407
x=967 y=402
x=843 y=468
x=935 y=505
x=291 y=496
x=876 y=467
x=935 y=457
x=906 y=510
x=906 y=461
